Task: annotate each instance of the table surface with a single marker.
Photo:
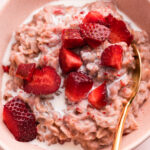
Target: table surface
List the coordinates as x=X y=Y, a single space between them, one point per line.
x=145 y=145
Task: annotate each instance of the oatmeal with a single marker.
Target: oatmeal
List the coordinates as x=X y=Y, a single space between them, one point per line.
x=85 y=56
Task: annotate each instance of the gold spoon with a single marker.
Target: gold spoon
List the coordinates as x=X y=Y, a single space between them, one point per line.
x=136 y=80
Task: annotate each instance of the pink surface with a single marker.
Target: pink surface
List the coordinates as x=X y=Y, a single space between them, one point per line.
x=10 y=17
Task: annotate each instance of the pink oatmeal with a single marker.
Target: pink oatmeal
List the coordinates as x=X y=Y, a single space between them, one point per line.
x=39 y=42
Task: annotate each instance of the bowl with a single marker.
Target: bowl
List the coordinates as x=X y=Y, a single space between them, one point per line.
x=11 y=16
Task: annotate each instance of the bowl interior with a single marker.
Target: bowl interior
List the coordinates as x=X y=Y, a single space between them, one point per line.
x=13 y=14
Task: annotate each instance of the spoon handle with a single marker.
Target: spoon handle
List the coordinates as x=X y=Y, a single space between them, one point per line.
x=120 y=127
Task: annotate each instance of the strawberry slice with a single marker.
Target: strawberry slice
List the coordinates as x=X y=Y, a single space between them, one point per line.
x=20 y=120
x=94 y=34
x=71 y=38
x=119 y=31
x=69 y=61
x=6 y=68
x=94 y=17
x=25 y=71
x=77 y=85
x=112 y=56
x=98 y=97
x=44 y=81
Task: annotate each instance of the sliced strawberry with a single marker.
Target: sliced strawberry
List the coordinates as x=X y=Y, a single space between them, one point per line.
x=44 y=81
x=6 y=68
x=94 y=17
x=25 y=71
x=98 y=97
x=20 y=120
x=71 y=38
x=112 y=57
x=119 y=31
x=77 y=85
x=69 y=61
x=94 y=34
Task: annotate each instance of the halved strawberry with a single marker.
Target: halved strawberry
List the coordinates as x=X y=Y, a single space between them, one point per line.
x=94 y=34
x=44 y=81
x=112 y=56
x=94 y=17
x=71 y=38
x=77 y=85
x=25 y=71
x=69 y=61
x=6 y=68
x=98 y=97
x=119 y=31
x=20 y=120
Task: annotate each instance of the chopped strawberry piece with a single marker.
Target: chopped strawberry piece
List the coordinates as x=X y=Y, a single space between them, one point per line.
x=77 y=85
x=94 y=17
x=98 y=97
x=119 y=31
x=44 y=81
x=25 y=71
x=69 y=61
x=20 y=120
x=112 y=57
x=58 y=11
x=6 y=68
x=94 y=34
x=71 y=38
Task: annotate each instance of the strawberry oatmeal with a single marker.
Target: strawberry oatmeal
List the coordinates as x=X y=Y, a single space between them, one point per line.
x=70 y=74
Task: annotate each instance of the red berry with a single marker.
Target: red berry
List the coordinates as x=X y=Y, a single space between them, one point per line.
x=20 y=120
x=25 y=71
x=112 y=56
x=69 y=61
x=71 y=38
x=94 y=17
x=94 y=34
x=119 y=31
x=6 y=68
x=98 y=97
x=44 y=81
x=77 y=85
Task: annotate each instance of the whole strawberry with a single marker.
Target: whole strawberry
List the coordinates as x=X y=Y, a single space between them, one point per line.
x=20 y=120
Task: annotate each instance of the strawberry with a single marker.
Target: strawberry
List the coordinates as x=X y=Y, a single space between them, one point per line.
x=44 y=81
x=98 y=97
x=119 y=31
x=94 y=34
x=25 y=71
x=71 y=38
x=6 y=68
x=69 y=61
x=112 y=57
x=94 y=17
x=77 y=85
x=20 y=120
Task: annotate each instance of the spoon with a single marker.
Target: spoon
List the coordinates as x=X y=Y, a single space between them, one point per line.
x=136 y=79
